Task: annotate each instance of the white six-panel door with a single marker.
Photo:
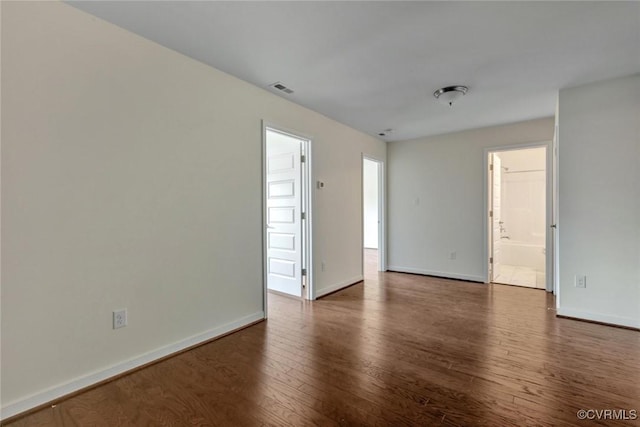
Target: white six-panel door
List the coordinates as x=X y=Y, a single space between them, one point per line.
x=284 y=220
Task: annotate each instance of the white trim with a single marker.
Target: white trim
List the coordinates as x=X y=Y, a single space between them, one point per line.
x=382 y=209
x=340 y=285
x=56 y=392
x=443 y=274
x=549 y=241
x=556 y=217
x=263 y=177
x=307 y=204
x=597 y=317
x=382 y=230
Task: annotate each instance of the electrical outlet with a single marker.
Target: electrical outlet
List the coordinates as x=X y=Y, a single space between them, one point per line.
x=453 y=255
x=120 y=318
x=581 y=281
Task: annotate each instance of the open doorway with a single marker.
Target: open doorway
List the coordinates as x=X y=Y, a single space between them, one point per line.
x=287 y=214
x=518 y=216
x=372 y=216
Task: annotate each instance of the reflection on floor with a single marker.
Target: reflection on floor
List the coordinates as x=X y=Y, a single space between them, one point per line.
x=520 y=276
x=394 y=350
x=370 y=263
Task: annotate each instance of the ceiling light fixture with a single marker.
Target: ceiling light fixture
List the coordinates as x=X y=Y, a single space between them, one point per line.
x=450 y=94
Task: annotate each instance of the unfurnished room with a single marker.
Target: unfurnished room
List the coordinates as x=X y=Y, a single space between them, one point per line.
x=355 y=213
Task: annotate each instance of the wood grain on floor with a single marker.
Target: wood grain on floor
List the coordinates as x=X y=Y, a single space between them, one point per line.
x=398 y=349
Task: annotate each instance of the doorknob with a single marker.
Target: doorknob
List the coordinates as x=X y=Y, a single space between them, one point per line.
x=553 y=226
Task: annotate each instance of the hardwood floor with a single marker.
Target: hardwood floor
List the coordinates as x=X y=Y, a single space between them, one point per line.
x=399 y=349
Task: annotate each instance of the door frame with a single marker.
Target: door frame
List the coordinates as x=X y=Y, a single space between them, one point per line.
x=554 y=218
x=382 y=240
x=550 y=266
x=308 y=291
x=491 y=159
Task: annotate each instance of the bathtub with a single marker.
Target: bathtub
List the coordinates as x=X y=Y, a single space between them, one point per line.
x=522 y=254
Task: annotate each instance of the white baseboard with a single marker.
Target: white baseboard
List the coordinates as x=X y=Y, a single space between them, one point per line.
x=56 y=392
x=446 y=275
x=336 y=287
x=598 y=317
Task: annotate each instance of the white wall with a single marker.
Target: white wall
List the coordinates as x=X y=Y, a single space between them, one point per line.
x=131 y=177
x=0 y=216
x=599 y=201
x=523 y=208
x=370 y=202
x=435 y=188
x=524 y=159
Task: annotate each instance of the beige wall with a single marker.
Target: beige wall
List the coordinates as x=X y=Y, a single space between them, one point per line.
x=599 y=208
x=0 y=214
x=131 y=177
x=370 y=203
x=436 y=186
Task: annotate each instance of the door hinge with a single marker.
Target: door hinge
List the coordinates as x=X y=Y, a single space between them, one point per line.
x=490 y=167
x=491 y=260
x=490 y=214
x=303 y=158
x=304 y=215
x=304 y=272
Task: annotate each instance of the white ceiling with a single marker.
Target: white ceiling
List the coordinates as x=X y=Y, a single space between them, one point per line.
x=375 y=65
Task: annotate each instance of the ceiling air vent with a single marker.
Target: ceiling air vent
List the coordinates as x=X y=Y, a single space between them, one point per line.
x=282 y=88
